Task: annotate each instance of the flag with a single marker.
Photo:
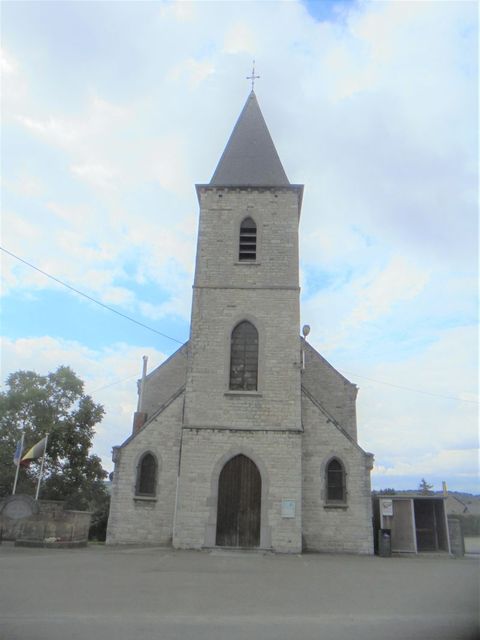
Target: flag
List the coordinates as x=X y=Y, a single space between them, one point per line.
x=35 y=452
x=18 y=453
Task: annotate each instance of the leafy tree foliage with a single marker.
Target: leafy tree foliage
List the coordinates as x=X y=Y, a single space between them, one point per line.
x=425 y=488
x=55 y=404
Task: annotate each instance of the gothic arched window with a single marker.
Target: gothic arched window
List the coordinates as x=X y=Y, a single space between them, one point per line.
x=335 y=480
x=244 y=357
x=248 y=240
x=146 y=475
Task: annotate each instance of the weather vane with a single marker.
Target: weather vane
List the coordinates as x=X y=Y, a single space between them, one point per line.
x=253 y=77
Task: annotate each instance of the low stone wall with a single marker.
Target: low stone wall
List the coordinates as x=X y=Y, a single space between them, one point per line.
x=457 y=543
x=46 y=525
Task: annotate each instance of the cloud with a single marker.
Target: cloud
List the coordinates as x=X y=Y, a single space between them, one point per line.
x=240 y=38
x=356 y=307
x=196 y=71
x=373 y=108
x=14 y=86
x=8 y=66
x=97 y=174
x=397 y=282
x=109 y=374
x=433 y=429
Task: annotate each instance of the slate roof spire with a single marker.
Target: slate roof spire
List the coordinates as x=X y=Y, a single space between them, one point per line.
x=250 y=157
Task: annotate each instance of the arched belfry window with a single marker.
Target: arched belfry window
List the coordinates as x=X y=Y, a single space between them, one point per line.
x=146 y=476
x=335 y=480
x=244 y=357
x=248 y=240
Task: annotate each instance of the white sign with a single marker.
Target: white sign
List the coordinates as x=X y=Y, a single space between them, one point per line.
x=387 y=507
x=288 y=508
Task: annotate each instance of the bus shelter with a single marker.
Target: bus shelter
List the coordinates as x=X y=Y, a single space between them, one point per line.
x=415 y=523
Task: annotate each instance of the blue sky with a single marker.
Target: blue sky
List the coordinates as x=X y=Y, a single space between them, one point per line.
x=111 y=112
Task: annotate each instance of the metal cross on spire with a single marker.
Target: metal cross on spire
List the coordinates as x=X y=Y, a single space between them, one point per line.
x=253 y=77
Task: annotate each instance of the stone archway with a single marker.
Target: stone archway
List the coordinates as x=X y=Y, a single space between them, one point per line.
x=239 y=504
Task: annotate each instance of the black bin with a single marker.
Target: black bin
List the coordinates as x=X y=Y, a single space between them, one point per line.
x=384 y=543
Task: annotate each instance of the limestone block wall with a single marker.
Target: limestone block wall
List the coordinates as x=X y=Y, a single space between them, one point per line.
x=336 y=394
x=276 y=404
x=162 y=382
x=334 y=529
x=143 y=520
x=276 y=214
x=264 y=292
x=205 y=452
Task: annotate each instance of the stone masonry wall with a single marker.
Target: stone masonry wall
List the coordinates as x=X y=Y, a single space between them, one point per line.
x=264 y=292
x=143 y=520
x=205 y=452
x=275 y=212
x=336 y=394
x=209 y=402
x=334 y=529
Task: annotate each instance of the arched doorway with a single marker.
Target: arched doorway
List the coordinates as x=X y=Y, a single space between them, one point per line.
x=239 y=502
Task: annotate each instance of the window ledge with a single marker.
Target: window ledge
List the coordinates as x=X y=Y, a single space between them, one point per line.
x=145 y=498
x=253 y=263
x=254 y=394
x=341 y=505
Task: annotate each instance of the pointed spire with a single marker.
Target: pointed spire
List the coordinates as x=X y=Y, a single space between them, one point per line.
x=250 y=157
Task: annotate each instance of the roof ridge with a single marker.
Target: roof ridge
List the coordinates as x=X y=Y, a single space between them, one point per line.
x=331 y=419
x=329 y=364
x=155 y=414
x=166 y=361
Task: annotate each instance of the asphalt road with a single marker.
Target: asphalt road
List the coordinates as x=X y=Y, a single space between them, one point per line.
x=108 y=593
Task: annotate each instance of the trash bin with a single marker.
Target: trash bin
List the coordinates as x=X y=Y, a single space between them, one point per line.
x=384 y=543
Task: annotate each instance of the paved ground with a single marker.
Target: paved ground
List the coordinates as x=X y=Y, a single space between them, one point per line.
x=145 y=594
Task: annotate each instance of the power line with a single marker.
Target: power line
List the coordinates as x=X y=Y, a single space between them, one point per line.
x=81 y=293
x=111 y=384
x=398 y=386
x=164 y=335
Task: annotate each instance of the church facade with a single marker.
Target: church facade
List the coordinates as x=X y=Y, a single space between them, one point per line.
x=246 y=436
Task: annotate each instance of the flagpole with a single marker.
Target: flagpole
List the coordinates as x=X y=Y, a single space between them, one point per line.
x=41 y=468
x=18 y=465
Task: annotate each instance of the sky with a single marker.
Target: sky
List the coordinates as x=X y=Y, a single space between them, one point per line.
x=113 y=111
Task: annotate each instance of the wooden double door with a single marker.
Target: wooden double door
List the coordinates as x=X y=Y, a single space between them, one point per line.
x=239 y=504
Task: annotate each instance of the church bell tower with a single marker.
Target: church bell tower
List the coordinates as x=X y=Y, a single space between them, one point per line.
x=244 y=368
x=243 y=385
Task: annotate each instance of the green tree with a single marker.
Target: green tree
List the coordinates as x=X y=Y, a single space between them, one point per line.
x=55 y=404
x=424 y=488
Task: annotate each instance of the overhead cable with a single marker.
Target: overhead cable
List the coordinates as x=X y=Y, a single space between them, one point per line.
x=85 y=295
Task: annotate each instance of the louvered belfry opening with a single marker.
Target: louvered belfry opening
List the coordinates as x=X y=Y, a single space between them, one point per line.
x=239 y=502
x=248 y=240
x=244 y=357
x=335 y=481
x=147 y=476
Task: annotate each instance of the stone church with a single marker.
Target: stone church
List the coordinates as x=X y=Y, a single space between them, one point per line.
x=246 y=436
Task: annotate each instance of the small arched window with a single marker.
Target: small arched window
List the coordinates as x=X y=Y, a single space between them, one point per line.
x=336 y=489
x=146 y=476
x=244 y=357
x=248 y=240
